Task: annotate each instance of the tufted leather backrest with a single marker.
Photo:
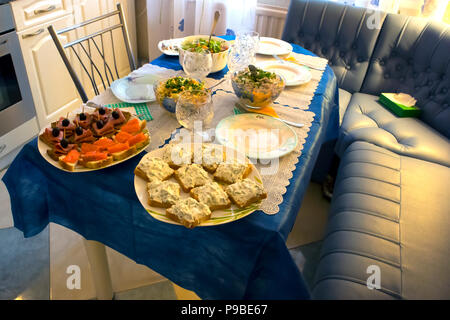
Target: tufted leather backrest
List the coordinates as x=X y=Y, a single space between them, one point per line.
x=412 y=55
x=336 y=32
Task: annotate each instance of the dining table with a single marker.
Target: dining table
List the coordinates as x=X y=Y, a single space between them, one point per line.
x=244 y=259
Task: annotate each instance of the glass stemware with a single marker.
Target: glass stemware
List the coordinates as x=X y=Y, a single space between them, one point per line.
x=195 y=64
x=195 y=111
x=243 y=51
x=248 y=40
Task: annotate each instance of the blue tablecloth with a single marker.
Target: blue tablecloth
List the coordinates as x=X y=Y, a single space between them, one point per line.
x=246 y=259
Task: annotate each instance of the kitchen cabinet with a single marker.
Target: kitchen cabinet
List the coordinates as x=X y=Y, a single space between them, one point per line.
x=30 y=13
x=53 y=91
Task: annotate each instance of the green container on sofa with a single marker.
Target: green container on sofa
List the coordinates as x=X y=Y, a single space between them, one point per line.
x=389 y=101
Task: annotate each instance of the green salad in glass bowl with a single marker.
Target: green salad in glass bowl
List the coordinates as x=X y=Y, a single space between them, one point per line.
x=218 y=47
x=168 y=90
x=257 y=88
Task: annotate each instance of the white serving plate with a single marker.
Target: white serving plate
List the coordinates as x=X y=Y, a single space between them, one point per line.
x=273 y=46
x=135 y=89
x=264 y=137
x=172 y=44
x=292 y=73
x=217 y=217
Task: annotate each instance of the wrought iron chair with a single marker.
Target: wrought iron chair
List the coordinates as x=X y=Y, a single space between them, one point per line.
x=82 y=49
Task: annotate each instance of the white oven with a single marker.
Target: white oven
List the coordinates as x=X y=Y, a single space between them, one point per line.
x=17 y=114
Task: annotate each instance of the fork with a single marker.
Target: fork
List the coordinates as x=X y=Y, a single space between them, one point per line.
x=294 y=124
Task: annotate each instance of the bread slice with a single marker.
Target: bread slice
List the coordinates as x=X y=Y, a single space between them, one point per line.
x=142 y=124
x=144 y=143
x=189 y=212
x=163 y=194
x=153 y=169
x=97 y=164
x=191 y=176
x=245 y=192
x=53 y=155
x=117 y=156
x=212 y=195
x=232 y=172
x=177 y=155
x=140 y=173
x=66 y=165
x=46 y=141
x=212 y=156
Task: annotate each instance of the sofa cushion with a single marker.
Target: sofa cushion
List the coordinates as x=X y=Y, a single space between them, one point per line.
x=344 y=99
x=367 y=120
x=336 y=32
x=412 y=55
x=389 y=211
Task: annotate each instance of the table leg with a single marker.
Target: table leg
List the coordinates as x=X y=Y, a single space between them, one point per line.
x=100 y=270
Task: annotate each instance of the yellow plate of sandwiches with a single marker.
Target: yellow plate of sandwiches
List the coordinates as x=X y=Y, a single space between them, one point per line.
x=198 y=184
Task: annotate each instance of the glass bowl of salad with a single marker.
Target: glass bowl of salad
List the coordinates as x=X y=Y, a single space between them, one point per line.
x=257 y=88
x=218 y=47
x=167 y=91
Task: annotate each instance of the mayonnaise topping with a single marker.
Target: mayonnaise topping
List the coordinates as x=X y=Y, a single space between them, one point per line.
x=155 y=168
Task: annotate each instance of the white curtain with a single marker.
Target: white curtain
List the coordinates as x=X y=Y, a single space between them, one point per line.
x=167 y=19
x=180 y=18
x=196 y=16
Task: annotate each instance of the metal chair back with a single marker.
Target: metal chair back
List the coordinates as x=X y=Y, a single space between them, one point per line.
x=103 y=70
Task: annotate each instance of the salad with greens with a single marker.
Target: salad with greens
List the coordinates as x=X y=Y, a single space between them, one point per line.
x=199 y=45
x=255 y=77
x=173 y=86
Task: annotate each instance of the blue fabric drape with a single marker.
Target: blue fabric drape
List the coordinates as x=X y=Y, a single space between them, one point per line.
x=245 y=259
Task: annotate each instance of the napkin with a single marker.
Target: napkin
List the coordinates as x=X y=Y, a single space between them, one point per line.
x=141 y=109
x=404 y=99
x=401 y=104
x=309 y=61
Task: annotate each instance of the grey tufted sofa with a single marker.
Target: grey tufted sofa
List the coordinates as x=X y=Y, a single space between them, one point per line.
x=391 y=203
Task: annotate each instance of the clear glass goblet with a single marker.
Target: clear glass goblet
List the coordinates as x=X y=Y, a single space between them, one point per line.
x=238 y=59
x=195 y=64
x=248 y=41
x=195 y=111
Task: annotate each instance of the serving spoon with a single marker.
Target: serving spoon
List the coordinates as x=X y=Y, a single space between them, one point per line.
x=216 y=18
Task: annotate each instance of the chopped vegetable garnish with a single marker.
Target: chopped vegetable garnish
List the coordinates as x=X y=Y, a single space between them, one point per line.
x=199 y=45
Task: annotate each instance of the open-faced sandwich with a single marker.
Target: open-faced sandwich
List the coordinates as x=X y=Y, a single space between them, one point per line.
x=245 y=192
x=189 y=212
x=232 y=172
x=95 y=139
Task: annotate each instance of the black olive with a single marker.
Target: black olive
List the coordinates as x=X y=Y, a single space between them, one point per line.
x=82 y=116
x=64 y=143
x=79 y=131
x=252 y=68
x=115 y=115
x=102 y=111
x=65 y=122
x=99 y=124
x=55 y=132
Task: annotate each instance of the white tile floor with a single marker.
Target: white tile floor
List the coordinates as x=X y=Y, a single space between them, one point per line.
x=6 y=220
x=66 y=248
